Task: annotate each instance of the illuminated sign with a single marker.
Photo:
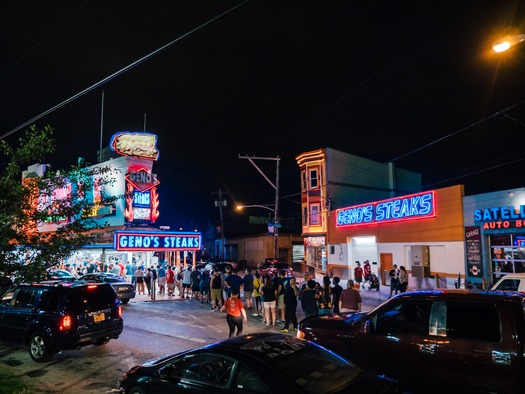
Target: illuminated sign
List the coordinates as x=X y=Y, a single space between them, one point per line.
x=137 y=144
x=147 y=240
x=141 y=199
x=142 y=180
x=315 y=241
x=501 y=217
x=410 y=207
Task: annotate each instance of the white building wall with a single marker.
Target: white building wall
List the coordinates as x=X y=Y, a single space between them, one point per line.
x=446 y=258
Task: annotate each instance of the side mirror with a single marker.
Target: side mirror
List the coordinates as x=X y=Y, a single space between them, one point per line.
x=364 y=328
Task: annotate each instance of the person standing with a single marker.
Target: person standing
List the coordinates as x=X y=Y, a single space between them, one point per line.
x=148 y=278
x=403 y=279
x=257 y=295
x=133 y=270
x=139 y=279
x=195 y=284
x=308 y=300
x=186 y=282
x=170 y=281
x=233 y=281
x=358 y=274
x=216 y=285
x=235 y=313
x=324 y=297
x=281 y=308
x=350 y=300
x=269 y=293
x=161 y=273
x=248 y=287
x=291 y=292
x=204 y=285
x=336 y=293
x=393 y=274
x=367 y=270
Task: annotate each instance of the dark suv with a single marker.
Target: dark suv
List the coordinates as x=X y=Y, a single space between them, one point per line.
x=53 y=316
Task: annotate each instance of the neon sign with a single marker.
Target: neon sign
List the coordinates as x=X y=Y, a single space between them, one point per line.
x=147 y=240
x=499 y=213
x=410 y=207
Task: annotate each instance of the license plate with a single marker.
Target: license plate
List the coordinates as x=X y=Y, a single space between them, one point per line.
x=99 y=317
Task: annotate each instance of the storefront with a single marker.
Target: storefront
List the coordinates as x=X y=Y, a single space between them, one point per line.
x=496 y=224
x=423 y=232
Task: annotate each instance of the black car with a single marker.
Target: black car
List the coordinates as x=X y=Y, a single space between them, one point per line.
x=53 y=316
x=124 y=289
x=256 y=363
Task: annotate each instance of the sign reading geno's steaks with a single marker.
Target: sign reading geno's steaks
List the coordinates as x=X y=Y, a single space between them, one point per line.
x=147 y=240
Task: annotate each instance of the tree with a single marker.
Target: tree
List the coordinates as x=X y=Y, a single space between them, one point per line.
x=63 y=197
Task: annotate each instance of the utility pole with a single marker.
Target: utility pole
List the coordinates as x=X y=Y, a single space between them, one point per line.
x=219 y=204
x=276 y=223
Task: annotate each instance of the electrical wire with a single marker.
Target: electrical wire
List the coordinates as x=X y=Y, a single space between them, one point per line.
x=121 y=71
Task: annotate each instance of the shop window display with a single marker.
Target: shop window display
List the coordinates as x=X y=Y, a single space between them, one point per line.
x=507 y=254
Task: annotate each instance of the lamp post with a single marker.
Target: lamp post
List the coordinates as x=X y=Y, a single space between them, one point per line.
x=275 y=225
x=276 y=187
x=219 y=204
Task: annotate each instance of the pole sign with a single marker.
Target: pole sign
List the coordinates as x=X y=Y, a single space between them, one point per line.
x=404 y=208
x=133 y=241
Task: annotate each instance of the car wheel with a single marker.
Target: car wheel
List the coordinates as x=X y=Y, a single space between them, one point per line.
x=124 y=300
x=136 y=390
x=101 y=341
x=38 y=349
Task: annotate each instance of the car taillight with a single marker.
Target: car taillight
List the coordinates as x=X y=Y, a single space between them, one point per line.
x=91 y=287
x=65 y=324
x=119 y=311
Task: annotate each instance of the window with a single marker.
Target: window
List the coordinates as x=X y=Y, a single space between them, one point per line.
x=25 y=298
x=509 y=285
x=202 y=368
x=304 y=185
x=248 y=382
x=314 y=183
x=507 y=254
x=473 y=322
x=314 y=214
x=305 y=216
x=404 y=318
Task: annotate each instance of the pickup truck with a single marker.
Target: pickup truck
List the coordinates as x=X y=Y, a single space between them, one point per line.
x=434 y=341
x=511 y=282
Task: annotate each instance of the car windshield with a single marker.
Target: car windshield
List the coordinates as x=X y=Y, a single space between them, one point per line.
x=312 y=368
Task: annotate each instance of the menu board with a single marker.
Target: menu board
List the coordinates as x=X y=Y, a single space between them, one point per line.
x=473 y=245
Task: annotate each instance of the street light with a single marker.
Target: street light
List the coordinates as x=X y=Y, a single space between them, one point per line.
x=241 y=207
x=507 y=42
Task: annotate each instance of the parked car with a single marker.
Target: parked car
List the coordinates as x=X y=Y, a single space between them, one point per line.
x=58 y=274
x=268 y=267
x=265 y=268
x=53 y=316
x=511 y=282
x=125 y=290
x=220 y=266
x=256 y=363
x=434 y=341
x=282 y=266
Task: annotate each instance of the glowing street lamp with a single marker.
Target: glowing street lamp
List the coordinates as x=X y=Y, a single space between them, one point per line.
x=507 y=42
x=241 y=207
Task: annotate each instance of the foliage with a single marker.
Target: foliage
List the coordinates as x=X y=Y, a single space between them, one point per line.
x=28 y=206
x=11 y=383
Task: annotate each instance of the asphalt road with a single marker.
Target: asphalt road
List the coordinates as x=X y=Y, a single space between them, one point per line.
x=151 y=329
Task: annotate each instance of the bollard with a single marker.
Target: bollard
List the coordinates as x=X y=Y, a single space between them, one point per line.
x=153 y=289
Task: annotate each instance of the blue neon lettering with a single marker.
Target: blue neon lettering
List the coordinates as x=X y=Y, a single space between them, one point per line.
x=147 y=242
x=123 y=241
x=426 y=204
x=138 y=242
x=131 y=241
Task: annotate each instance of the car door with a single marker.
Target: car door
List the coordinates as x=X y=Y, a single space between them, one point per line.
x=395 y=342
x=16 y=315
x=472 y=350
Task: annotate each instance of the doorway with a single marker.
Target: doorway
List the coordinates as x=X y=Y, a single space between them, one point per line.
x=386 y=262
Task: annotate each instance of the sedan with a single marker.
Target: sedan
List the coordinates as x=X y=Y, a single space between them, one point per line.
x=125 y=291
x=257 y=363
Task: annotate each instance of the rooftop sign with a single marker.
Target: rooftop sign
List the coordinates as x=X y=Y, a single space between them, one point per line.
x=404 y=208
x=136 y=144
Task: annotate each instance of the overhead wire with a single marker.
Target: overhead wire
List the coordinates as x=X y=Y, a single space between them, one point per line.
x=121 y=71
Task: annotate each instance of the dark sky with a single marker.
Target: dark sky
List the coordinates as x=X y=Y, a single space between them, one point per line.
x=413 y=82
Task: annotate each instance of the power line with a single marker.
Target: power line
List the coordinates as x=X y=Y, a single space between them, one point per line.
x=121 y=71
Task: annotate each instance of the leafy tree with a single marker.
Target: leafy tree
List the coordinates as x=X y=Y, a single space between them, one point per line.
x=64 y=197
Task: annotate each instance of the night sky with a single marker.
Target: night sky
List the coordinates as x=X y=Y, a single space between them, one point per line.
x=413 y=82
